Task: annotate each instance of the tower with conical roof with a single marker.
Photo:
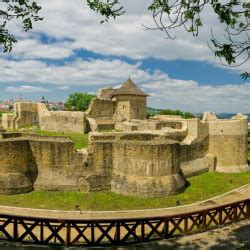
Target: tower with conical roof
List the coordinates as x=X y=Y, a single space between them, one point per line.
x=131 y=102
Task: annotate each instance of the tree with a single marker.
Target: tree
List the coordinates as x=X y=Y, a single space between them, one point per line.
x=21 y=11
x=167 y=15
x=78 y=101
x=185 y=115
x=172 y=14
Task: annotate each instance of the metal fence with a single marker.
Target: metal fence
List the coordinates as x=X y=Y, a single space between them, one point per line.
x=97 y=232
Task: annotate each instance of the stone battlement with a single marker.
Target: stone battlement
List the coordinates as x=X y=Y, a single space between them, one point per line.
x=146 y=157
x=146 y=163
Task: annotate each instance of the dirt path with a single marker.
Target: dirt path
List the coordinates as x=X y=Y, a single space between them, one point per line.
x=233 y=196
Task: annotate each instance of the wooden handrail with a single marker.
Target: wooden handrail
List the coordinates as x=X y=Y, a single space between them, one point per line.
x=96 y=232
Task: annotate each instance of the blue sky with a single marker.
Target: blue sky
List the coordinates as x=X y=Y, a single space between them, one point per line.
x=71 y=51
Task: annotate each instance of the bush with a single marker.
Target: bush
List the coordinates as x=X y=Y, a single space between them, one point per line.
x=184 y=115
x=78 y=101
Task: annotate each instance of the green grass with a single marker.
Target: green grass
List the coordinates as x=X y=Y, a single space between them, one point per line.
x=201 y=187
x=80 y=140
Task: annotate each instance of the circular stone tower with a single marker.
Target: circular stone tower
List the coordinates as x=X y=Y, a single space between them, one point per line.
x=146 y=166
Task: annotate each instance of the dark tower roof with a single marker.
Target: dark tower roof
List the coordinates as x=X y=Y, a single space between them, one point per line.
x=129 y=88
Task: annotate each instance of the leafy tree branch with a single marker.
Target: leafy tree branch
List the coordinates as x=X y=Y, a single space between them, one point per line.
x=22 y=11
x=168 y=15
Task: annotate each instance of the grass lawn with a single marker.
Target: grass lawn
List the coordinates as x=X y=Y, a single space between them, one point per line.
x=201 y=187
x=1 y=113
x=80 y=140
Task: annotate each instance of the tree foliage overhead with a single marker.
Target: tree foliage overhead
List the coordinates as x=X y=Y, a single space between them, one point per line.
x=168 y=15
x=78 y=101
x=23 y=11
x=106 y=9
x=172 y=14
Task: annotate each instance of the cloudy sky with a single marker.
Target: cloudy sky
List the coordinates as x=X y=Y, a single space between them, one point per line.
x=71 y=51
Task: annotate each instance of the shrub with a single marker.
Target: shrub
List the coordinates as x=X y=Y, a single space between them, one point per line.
x=184 y=115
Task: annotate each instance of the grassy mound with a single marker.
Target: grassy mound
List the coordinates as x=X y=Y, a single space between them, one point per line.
x=199 y=188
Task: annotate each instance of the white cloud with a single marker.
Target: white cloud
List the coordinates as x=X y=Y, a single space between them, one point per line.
x=31 y=48
x=63 y=87
x=79 y=72
x=81 y=28
x=74 y=21
x=26 y=89
x=124 y=36
x=189 y=96
x=165 y=92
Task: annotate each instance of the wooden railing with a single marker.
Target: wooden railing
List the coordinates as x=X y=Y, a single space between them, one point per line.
x=98 y=232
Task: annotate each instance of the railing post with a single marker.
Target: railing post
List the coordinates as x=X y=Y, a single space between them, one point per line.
x=92 y=232
x=117 y=233
x=248 y=209
x=204 y=222
x=185 y=225
x=235 y=218
x=42 y=231
x=166 y=229
x=142 y=230
x=68 y=234
x=15 y=227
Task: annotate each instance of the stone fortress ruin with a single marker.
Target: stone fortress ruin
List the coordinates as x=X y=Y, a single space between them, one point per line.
x=147 y=157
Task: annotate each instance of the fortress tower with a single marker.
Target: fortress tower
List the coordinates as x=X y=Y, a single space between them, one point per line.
x=131 y=102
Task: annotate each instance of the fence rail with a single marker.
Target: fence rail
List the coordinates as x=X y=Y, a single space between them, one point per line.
x=96 y=232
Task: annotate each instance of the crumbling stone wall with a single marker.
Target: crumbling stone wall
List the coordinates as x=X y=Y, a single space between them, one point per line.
x=101 y=108
x=7 y=121
x=137 y=163
x=31 y=162
x=228 y=142
x=29 y=114
x=16 y=170
x=146 y=168
x=147 y=163
x=63 y=121
x=26 y=114
x=55 y=164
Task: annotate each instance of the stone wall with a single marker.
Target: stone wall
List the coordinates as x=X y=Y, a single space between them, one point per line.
x=145 y=163
x=146 y=168
x=137 y=163
x=7 y=121
x=42 y=163
x=228 y=142
x=1 y=126
x=63 y=121
x=25 y=114
x=131 y=107
x=55 y=163
x=29 y=114
x=17 y=174
x=99 y=108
